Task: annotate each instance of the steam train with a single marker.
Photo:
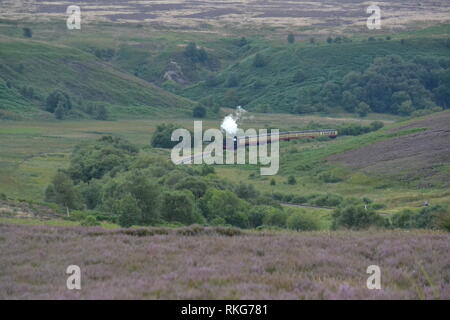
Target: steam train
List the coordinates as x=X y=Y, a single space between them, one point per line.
x=281 y=136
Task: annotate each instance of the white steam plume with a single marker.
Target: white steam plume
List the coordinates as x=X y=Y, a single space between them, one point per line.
x=231 y=122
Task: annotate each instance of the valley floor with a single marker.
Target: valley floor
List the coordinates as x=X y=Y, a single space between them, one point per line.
x=196 y=264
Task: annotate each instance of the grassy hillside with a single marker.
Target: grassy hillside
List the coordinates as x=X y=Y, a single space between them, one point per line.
x=273 y=84
x=40 y=67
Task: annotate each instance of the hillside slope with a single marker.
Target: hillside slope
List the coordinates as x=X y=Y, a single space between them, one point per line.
x=30 y=70
x=422 y=158
x=295 y=75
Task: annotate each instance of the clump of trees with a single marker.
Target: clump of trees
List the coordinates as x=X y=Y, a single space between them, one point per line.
x=389 y=85
x=195 y=54
x=59 y=103
x=162 y=136
x=425 y=218
x=111 y=180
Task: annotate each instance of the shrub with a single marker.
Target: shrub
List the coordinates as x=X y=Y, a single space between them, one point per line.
x=291 y=180
x=199 y=112
x=27 y=32
x=63 y=192
x=246 y=191
x=301 y=221
x=196 y=185
x=275 y=217
x=299 y=199
x=259 y=61
x=90 y=221
x=328 y=200
x=427 y=217
x=357 y=217
x=162 y=136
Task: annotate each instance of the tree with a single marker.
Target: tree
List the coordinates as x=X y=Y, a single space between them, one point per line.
x=179 y=206
x=349 y=101
x=162 y=136
x=196 y=185
x=246 y=191
x=329 y=39
x=259 y=61
x=145 y=191
x=127 y=210
x=406 y=108
x=199 y=112
x=312 y=40
x=191 y=51
x=202 y=56
x=100 y=112
x=224 y=204
x=357 y=217
x=58 y=98
x=291 y=38
x=27 y=33
x=362 y=109
x=63 y=192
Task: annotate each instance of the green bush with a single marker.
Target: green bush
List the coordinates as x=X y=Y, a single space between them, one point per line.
x=90 y=221
x=199 y=112
x=424 y=218
x=357 y=217
x=291 y=180
x=301 y=221
x=325 y=200
x=179 y=206
x=275 y=217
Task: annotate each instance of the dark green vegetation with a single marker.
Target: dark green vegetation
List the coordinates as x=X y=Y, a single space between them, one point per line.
x=113 y=181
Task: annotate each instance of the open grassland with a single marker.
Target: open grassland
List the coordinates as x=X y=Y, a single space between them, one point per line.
x=194 y=263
